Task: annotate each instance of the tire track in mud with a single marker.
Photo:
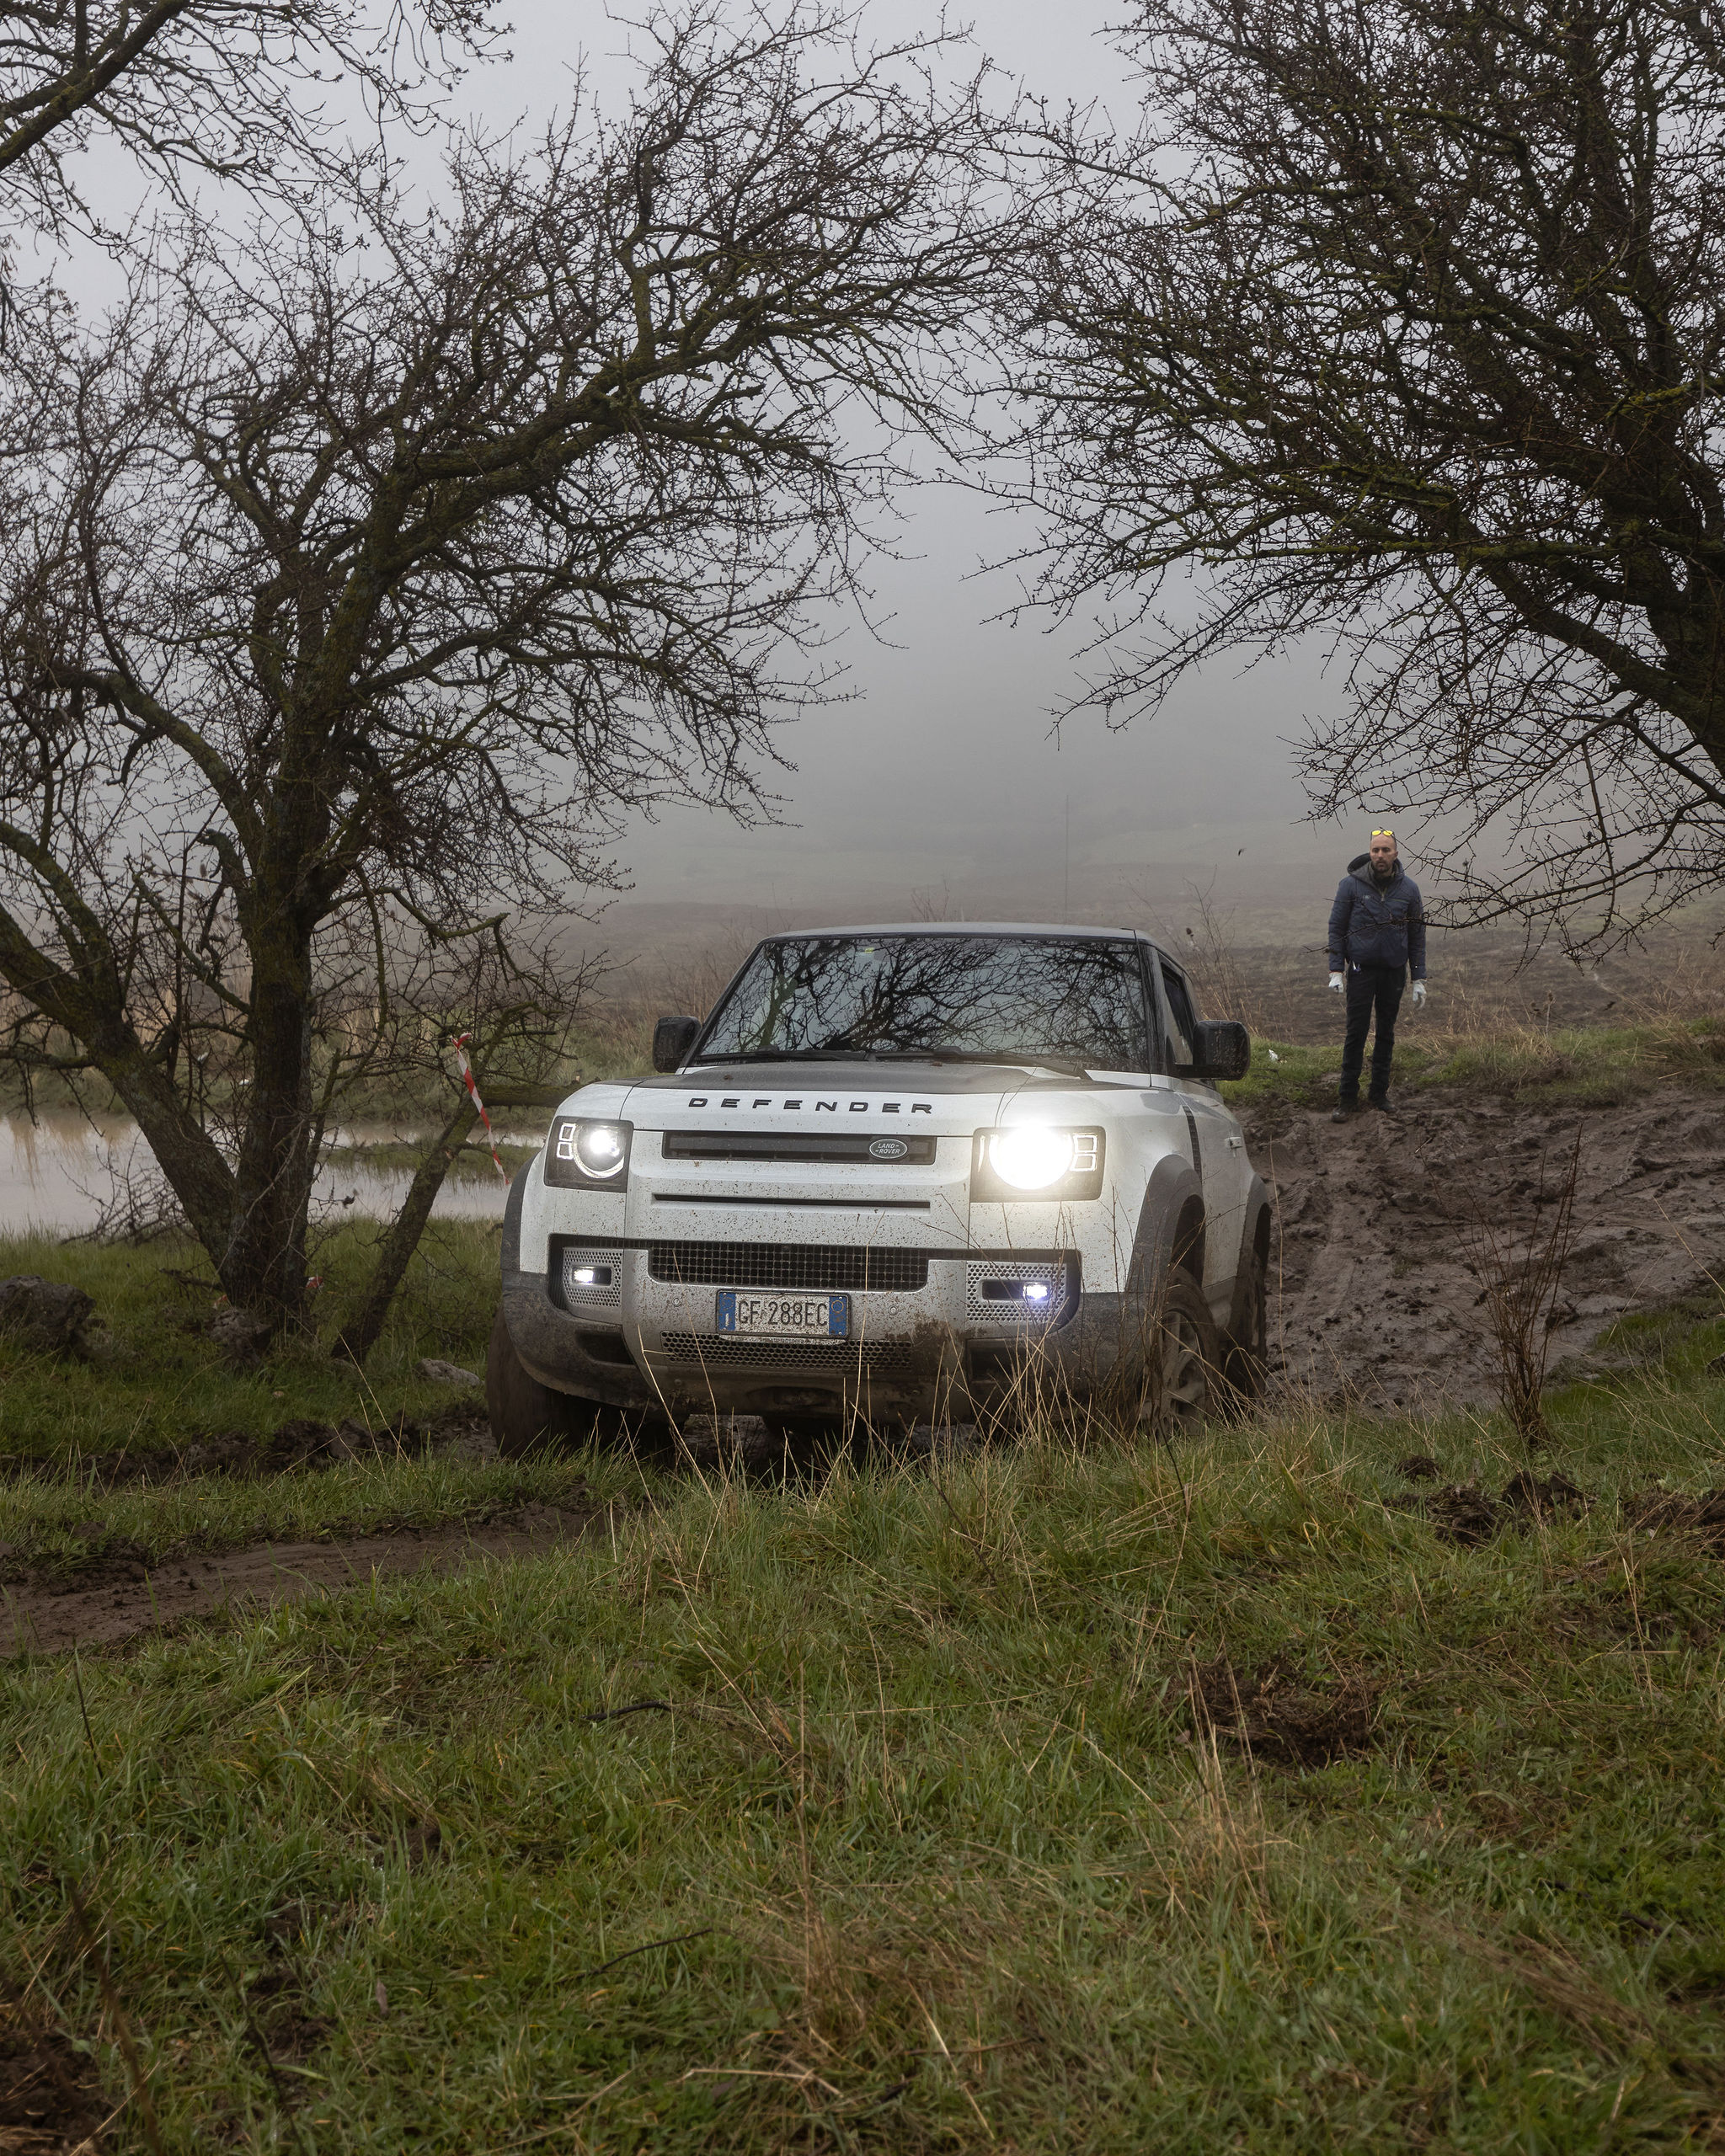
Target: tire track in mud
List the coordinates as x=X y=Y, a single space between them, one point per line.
x=111 y=1601
x=1372 y=1296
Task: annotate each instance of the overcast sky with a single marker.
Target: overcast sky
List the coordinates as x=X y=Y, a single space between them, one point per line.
x=943 y=769
x=941 y=773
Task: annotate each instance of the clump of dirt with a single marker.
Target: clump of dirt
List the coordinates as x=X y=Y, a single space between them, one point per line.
x=1466 y=1516
x=47 y=1316
x=1528 y=1492
x=51 y=2096
x=1375 y=1295
x=305 y=1443
x=1418 y=1467
x=1275 y=1716
x=279 y=2028
x=1462 y=1514
x=422 y=1842
x=1662 y=1511
x=286 y=2034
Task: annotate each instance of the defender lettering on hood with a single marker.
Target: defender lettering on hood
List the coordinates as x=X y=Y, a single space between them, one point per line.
x=805 y=1102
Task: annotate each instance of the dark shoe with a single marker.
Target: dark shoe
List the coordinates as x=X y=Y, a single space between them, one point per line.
x=1375 y=1101
x=1344 y=1112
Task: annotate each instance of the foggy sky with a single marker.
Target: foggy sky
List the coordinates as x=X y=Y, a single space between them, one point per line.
x=942 y=771
x=940 y=774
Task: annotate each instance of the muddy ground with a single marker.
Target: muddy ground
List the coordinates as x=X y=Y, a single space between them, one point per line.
x=1374 y=1290
x=111 y=1600
x=1376 y=1297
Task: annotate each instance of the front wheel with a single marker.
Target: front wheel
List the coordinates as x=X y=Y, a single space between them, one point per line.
x=1184 y=1377
x=1245 y=1358
x=526 y=1417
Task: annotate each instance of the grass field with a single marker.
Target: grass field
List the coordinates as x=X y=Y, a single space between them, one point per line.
x=1588 y=1066
x=907 y=1809
x=157 y=1383
x=1048 y=1797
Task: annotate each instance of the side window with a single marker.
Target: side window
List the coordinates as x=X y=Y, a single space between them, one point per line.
x=1180 y=1046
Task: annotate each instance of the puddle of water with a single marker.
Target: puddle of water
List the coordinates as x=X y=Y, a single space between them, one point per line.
x=59 y=1173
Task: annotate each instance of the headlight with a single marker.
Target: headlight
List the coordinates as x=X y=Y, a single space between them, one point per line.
x=1034 y=1160
x=585 y=1153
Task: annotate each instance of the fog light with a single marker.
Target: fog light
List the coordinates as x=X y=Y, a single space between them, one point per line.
x=1016 y=1291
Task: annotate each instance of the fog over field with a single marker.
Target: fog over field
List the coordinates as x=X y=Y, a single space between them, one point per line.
x=936 y=782
x=940 y=782
x=943 y=769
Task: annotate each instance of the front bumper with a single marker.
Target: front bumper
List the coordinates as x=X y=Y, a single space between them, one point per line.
x=932 y=1330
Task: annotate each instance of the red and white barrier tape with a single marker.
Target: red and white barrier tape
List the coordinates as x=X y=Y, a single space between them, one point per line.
x=461 y=1049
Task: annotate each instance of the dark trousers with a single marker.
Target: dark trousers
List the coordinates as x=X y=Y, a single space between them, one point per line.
x=1371 y=990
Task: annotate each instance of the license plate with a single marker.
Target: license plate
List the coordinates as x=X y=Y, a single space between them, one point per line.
x=822 y=1317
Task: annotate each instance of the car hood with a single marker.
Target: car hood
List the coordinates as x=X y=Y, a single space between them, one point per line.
x=933 y=1096
x=937 y=1098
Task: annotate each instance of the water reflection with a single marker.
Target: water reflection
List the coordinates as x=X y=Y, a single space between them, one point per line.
x=61 y=1173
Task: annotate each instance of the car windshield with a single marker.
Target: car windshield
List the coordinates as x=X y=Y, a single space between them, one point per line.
x=1073 y=999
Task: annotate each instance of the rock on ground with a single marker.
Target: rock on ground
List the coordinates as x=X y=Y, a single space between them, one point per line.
x=1372 y=1297
x=48 y=1315
x=440 y=1373
x=240 y=1336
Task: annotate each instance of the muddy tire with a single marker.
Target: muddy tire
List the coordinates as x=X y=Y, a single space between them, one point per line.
x=1245 y=1355
x=527 y=1417
x=1185 y=1387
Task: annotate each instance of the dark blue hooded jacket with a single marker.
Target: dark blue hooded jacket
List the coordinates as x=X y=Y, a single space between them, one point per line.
x=1373 y=924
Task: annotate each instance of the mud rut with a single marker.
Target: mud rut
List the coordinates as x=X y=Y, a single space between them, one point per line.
x=108 y=1602
x=1370 y=1294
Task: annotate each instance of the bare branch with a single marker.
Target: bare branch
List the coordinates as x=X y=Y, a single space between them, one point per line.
x=1402 y=325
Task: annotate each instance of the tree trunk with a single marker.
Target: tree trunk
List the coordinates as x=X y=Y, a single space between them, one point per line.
x=356 y=1339
x=189 y=1159
x=264 y=1266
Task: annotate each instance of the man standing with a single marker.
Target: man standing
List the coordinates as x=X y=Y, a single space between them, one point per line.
x=1377 y=934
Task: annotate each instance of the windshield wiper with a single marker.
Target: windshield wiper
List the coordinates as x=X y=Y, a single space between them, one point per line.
x=785 y=1055
x=1047 y=1061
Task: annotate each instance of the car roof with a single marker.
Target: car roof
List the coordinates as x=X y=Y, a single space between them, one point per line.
x=1062 y=928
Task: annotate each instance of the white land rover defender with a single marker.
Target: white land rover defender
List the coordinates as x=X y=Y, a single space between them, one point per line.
x=895 y=1168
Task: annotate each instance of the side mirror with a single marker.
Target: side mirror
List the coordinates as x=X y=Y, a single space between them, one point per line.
x=1222 y=1049
x=672 y=1039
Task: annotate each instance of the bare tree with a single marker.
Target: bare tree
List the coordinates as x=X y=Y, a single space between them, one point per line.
x=220 y=86
x=1404 y=322
x=382 y=569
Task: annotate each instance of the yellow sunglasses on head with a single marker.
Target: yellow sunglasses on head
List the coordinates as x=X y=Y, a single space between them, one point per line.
x=1384 y=834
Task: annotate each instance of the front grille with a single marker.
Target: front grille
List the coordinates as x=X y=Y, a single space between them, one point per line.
x=718 y=1350
x=836 y=1266
x=834 y=1146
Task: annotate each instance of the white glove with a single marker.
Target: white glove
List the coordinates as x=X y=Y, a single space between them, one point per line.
x=1419 y=995
x=1336 y=983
